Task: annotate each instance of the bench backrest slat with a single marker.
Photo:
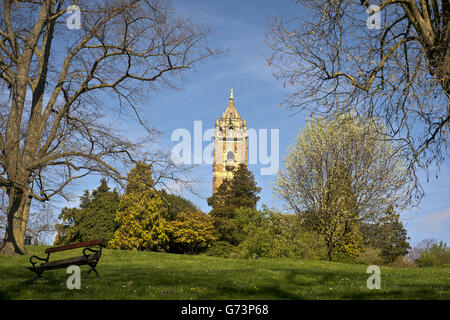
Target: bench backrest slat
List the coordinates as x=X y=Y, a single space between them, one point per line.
x=75 y=245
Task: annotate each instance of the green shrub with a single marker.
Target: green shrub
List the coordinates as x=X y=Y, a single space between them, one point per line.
x=271 y=234
x=427 y=259
x=190 y=232
x=309 y=245
x=222 y=249
x=370 y=256
x=262 y=243
x=436 y=254
x=403 y=262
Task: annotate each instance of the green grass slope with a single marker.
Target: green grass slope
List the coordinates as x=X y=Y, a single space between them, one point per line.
x=151 y=275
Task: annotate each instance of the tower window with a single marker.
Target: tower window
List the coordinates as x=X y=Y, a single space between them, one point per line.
x=230 y=156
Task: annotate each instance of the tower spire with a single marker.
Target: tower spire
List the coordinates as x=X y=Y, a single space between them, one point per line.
x=230 y=111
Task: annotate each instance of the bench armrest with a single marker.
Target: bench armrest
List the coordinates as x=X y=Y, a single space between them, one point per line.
x=98 y=251
x=36 y=257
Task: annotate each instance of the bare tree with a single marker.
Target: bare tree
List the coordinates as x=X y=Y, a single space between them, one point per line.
x=41 y=224
x=337 y=61
x=62 y=84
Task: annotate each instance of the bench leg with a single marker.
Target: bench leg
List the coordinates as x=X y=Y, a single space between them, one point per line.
x=38 y=275
x=92 y=269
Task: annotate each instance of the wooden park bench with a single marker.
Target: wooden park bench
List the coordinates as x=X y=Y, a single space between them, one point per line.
x=90 y=259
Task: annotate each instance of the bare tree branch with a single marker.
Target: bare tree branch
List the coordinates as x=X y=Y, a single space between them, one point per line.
x=399 y=73
x=54 y=127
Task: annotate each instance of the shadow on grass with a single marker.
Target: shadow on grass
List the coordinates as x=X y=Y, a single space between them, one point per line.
x=4 y=296
x=236 y=283
x=22 y=284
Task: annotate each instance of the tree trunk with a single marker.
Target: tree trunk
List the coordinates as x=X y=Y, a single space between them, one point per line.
x=330 y=253
x=17 y=216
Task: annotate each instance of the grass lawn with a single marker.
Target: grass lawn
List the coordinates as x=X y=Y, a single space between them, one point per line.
x=151 y=275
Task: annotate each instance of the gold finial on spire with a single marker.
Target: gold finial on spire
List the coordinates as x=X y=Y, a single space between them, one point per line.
x=231 y=94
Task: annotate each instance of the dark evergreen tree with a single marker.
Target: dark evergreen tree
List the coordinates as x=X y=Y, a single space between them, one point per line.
x=173 y=205
x=243 y=191
x=94 y=219
x=98 y=217
x=68 y=230
x=239 y=192
x=389 y=235
x=394 y=237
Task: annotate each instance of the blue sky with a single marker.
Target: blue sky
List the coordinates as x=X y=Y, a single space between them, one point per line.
x=241 y=26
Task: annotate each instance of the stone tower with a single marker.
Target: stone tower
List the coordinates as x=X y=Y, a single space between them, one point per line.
x=230 y=144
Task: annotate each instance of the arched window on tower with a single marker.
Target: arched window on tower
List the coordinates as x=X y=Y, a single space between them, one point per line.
x=230 y=161
x=230 y=156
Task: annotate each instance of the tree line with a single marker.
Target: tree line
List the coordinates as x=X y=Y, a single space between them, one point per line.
x=342 y=184
x=143 y=218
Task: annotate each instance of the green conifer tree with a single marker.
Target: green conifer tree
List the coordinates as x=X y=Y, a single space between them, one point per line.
x=68 y=230
x=98 y=216
x=94 y=219
x=140 y=225
x=239 y=192
x=174 y=205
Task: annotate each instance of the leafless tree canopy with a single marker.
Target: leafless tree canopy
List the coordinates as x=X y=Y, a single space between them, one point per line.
x=55 y=81
x=400 y=72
